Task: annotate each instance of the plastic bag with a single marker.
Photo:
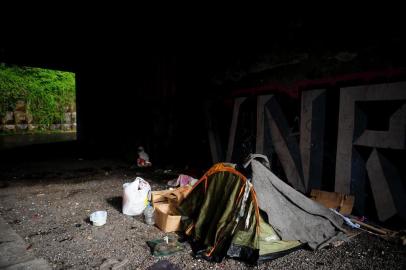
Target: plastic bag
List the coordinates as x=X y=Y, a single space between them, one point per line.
x=135 y=197
x=143 y=158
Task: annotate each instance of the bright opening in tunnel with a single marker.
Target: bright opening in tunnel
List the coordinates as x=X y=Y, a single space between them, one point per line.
x=36 y=106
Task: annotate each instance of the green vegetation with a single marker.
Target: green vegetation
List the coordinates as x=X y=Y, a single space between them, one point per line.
x=47 y=93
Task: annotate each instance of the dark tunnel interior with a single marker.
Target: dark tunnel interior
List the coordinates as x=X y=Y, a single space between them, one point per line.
x=333 y=93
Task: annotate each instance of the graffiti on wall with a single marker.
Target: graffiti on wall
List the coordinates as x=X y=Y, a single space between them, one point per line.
x=363 y=157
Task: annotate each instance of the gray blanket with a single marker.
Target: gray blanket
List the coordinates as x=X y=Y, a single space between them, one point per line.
x=292 y=214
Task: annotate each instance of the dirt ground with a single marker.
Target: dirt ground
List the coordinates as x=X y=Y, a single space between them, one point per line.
x=49 y=204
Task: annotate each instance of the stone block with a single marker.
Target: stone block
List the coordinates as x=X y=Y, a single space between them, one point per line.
x=21 y=106
x=55 y=127
x=29 y=118
x=8 y=118
x=20 y=117
x=67 y=118
x=66 y=127
x=73 y=117
x=21 y=126
x=9 y=128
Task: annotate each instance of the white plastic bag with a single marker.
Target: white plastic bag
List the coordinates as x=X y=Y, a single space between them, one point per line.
x=135 y=196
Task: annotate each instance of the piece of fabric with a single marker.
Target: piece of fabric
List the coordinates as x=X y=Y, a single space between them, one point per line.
x=292 y=215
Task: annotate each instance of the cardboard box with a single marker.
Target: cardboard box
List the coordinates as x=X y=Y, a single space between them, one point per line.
x=161 y=196
x=173 y=197
x=166 y=218
x=342 y=202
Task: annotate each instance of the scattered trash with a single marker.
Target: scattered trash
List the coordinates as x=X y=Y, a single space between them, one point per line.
x=165 y=247
x=149 y=215
x=98 y=218
x=347 y=220
x=343 y=203
x=182 y=180
x=398 y=237
x=113 y=264
x=337 y=243
x=143 y=158
x=135 y=197
x=370 y=228
x=163 y=265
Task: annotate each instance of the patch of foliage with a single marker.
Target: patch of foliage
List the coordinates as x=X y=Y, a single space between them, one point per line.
x=47 y=93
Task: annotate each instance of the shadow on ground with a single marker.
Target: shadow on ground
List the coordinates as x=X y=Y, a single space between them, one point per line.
x=116 y=202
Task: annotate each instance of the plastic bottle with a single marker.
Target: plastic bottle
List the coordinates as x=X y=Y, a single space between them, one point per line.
x=149 y=215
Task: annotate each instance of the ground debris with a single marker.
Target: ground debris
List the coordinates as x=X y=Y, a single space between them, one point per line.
x=113 y=264
x=92 y=246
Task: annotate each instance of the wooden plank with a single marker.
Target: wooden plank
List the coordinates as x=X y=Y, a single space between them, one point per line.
x=342 y=202
x=370 y=227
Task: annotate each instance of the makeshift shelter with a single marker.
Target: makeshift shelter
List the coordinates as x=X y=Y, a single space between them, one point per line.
x=222 y=216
